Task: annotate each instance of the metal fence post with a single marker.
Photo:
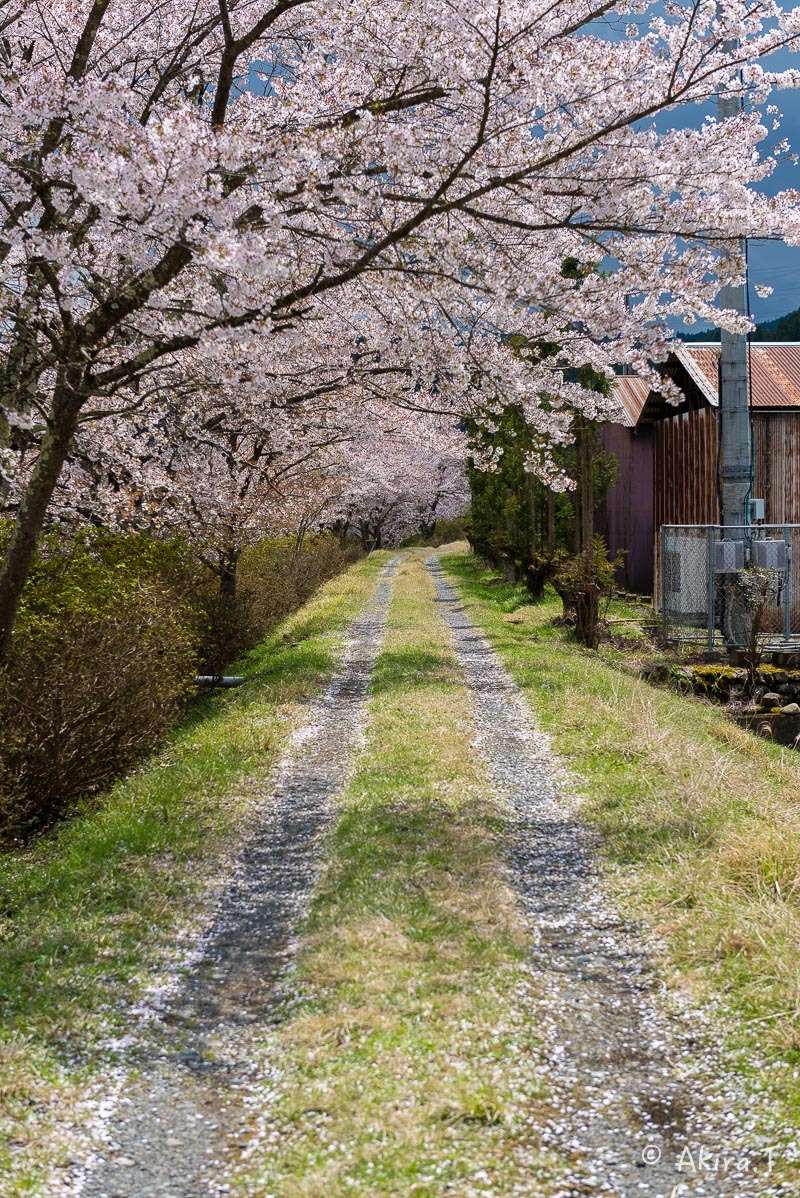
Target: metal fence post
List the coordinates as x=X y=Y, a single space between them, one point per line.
x=663 y=583
x=787 y=590
x=710 y=570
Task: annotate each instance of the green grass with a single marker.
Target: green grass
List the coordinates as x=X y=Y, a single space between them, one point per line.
x=408 y=1062
x=700 y=820
x=88 y=913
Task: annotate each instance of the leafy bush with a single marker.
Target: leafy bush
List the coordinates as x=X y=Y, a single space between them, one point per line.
x=447 y=531
x=585 y=584
x=750 y=596
x=277 y=577
x=102 y=656
x=107 y=643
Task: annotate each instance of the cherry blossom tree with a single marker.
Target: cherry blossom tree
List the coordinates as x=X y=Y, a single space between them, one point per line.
x=180 y=175
x=402 y=473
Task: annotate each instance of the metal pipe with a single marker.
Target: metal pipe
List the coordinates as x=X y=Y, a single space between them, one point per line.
x=711 y=587
x=219 y=680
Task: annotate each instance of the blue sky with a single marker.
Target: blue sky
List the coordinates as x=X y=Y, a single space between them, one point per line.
x=771 y=263
x=776 y=263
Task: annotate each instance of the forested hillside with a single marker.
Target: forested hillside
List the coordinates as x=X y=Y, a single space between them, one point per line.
x=783 y=328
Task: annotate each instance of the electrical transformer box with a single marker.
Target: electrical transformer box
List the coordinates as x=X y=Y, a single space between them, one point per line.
x=728 y=556
x=771 y=555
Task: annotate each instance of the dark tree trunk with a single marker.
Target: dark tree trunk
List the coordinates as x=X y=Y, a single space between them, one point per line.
x=551 y=522
x=32 y=510
x=229 y=576
x=534 y=524
x=585 y=445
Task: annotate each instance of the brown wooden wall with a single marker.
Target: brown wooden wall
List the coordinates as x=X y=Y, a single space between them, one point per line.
x=684 y=483
x=685 y=474
x=776 y=441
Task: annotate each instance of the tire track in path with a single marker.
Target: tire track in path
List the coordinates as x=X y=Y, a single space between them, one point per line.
x=181 y=1110
x=633 y=1086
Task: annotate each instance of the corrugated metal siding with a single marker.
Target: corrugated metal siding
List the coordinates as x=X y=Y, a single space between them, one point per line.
x=632 y=393
x=685 y=490
x=685 y=469
x=776 y=442
x=684 y=476
x=776 y=445
x=628 y=505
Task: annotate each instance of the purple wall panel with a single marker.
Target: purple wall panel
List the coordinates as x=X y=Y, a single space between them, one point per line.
x=629 y=504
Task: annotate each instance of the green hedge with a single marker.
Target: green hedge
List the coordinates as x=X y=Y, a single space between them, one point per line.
x=103 y=653
x=111 y=632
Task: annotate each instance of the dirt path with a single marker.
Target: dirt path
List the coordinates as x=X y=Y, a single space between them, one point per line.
x=637 y=1102
x=179 y=1114
x=641 y=1105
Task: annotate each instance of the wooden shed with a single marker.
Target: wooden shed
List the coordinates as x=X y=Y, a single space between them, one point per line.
x=667 y=455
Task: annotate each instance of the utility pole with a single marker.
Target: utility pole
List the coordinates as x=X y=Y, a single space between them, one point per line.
x=734 y=414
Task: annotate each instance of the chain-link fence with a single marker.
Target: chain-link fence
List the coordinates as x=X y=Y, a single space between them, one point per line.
x=724 y=589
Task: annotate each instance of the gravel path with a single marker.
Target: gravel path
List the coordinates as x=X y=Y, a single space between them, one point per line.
x=641 y=1104
x=179 y=1115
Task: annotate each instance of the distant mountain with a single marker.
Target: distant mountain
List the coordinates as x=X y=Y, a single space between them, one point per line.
x=784 y=328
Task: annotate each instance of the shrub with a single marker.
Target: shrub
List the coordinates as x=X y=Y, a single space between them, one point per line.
x=104 y=650
x=750 y=596
x=106 y=646
x=585 y=584
x=275 y=578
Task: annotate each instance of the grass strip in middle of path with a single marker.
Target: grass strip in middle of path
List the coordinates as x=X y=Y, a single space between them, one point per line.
x=408 y=1061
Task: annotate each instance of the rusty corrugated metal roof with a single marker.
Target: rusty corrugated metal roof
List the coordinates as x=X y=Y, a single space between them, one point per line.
x=632 y=393
x=774 y=366
x=775 y=378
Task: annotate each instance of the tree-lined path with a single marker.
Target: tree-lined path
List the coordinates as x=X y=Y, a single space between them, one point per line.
x=463 y=1013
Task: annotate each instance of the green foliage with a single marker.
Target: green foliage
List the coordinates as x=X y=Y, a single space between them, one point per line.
x=104 y=649
x=518 y=523
x=585 y=584
x=511 y=510
x=111 y=631
x=445 y=532
x=277 y=576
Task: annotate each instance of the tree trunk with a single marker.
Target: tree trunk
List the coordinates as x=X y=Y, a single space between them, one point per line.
x=229 y=576
x=533 y=522
x=551 y=522
x=585 y=485
x=33 y=511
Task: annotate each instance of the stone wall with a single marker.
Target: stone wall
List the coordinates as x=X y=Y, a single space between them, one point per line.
x=774 y=710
